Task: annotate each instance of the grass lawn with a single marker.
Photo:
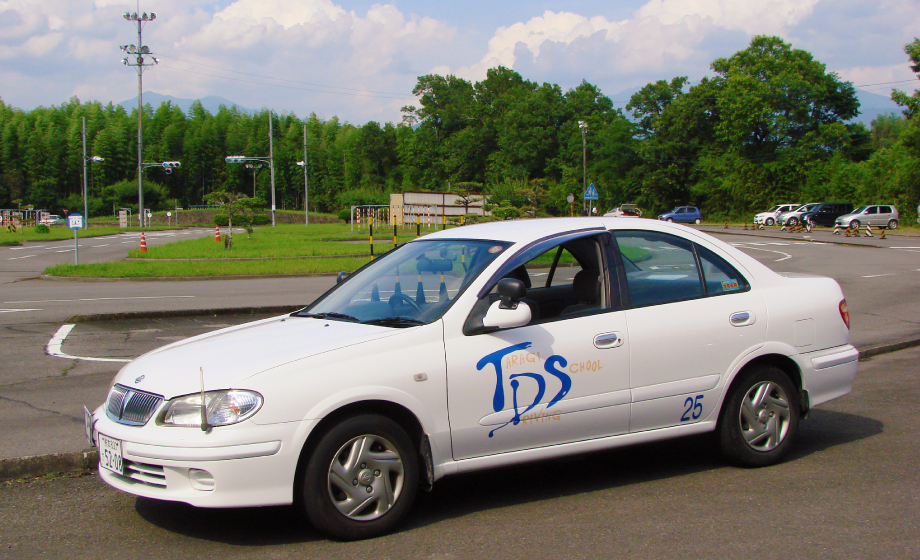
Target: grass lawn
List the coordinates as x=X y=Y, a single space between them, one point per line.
x=284 y=249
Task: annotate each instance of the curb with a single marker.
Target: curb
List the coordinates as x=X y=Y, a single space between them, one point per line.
x=40 y=465
x=87 y=460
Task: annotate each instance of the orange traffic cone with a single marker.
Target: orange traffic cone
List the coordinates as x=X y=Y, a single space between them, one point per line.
x=217 y=233
x=883 y=234
x=868 y=230
x=143 y=243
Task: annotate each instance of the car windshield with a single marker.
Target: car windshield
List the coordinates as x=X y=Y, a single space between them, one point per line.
x=411 y=285
x=775 y=208
x=859 y=210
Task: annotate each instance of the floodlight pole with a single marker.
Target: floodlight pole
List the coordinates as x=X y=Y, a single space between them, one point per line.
x=139 y=50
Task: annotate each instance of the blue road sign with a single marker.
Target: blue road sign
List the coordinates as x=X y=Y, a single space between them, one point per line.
x=75 y=221
x=591 y=193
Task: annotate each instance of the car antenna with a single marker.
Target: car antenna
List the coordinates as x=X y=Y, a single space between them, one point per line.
x=204 y=409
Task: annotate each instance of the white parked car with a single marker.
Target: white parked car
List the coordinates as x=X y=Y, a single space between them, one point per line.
x=473 y=348
x=793 y=217
x=769 y=217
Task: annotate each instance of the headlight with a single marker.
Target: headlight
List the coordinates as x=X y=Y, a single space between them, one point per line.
x=224 y=408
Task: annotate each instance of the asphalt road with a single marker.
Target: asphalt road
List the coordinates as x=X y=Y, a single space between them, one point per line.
x=848 y=490
x=43 y=395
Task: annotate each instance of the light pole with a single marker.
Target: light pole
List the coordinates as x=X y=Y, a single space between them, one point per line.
x=255 y=170
x=271 y=162
x=85 y=193
x=271 y=166
x=584 y=162
x=306 y=194
x=139 y=51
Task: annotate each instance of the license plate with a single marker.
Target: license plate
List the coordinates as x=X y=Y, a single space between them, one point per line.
x=110 y=454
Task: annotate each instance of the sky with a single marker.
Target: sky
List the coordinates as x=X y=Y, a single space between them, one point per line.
x=359 y=60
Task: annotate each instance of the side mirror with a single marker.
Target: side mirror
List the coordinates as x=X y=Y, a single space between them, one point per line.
x=341 y=277
x=508 y=311
x=506 y=317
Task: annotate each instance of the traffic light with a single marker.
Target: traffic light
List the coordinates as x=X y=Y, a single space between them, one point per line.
x=170 y=165
x=235 y=159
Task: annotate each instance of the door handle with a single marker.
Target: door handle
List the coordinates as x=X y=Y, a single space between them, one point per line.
x=608 y=340
x=741 y=319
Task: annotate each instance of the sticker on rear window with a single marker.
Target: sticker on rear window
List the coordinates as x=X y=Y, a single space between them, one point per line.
x=729 y=285
x=495 y=249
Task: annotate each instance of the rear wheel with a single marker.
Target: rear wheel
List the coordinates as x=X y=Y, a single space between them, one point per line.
x=760 y=418
x=892 y=224
x=361 y=479
x=698 y=221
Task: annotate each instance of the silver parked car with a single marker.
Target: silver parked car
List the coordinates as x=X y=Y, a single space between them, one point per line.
x=769 y=217
x=878 y=215
x=793 y=218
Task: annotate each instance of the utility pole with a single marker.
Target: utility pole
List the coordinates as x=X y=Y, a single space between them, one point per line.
x=139 y=51
x=85 y=192
x=271 y=162
x=584 y=163
x=306 y=192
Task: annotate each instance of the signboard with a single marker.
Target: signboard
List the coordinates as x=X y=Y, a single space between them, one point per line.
x=75 y=221
x=122 y=218
x=591 y=192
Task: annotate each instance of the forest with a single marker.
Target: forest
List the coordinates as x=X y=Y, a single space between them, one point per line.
x=771 y=125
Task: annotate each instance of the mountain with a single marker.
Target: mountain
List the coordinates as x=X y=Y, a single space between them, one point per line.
x=211 y=103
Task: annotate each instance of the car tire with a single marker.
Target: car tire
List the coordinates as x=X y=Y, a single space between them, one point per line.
x=361 y=478
x=792 y=222
x=698 y=221
x=854 y=224
x=770 y=221
x=760 y=418
x=892 y=224
x=671 y=220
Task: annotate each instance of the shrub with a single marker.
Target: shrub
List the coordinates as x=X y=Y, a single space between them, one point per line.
x=344 y=214
x=42 y=228
x=243 y=221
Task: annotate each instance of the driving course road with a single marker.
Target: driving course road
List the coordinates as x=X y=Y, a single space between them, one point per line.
x=847 y=490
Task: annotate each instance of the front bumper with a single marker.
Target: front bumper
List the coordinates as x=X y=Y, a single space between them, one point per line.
x=232 y=466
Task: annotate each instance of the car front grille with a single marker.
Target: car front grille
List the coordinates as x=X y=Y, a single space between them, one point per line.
x=152 y=476
x=130 y=407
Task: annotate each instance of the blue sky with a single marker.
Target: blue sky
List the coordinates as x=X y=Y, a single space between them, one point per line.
x=359 y=60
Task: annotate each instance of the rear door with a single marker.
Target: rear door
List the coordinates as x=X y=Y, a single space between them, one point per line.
x=692 y=316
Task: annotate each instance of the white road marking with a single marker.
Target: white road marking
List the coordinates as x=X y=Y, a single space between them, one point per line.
x=904 y=247
x=105 y=245
x=54 y=347
x=96 y=299
x=17 y=310
x=24 y=257
x=878 y=275
x=65 y=251
x=788 y=256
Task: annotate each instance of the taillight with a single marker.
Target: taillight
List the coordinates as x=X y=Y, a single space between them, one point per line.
x=845 y=312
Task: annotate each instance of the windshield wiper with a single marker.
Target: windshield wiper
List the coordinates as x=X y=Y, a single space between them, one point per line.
x=329 y=315
x=394 y=322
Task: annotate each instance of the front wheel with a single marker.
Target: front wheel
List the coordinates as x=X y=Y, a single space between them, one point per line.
x=892 y=224
x=760 y=418
x=770 y=221
x=361 y=479
x=854 y=224
x=671 y=220
x=792 y=222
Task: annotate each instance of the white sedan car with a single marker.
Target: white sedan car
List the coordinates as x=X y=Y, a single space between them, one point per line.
x=479 y=347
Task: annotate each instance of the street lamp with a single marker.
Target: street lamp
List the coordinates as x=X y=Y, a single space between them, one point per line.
x=255 y=170
x=584 y=162
x=93 y=159
x=139 y=51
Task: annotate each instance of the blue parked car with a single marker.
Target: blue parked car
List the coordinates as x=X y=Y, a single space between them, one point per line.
x=685 y=214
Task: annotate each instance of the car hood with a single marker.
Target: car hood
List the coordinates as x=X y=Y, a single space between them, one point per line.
x=230 y=356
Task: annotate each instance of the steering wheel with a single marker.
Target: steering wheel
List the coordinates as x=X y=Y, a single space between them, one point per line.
x=404 y=299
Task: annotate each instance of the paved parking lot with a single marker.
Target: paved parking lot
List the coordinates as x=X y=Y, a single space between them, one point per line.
x=848 y=490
